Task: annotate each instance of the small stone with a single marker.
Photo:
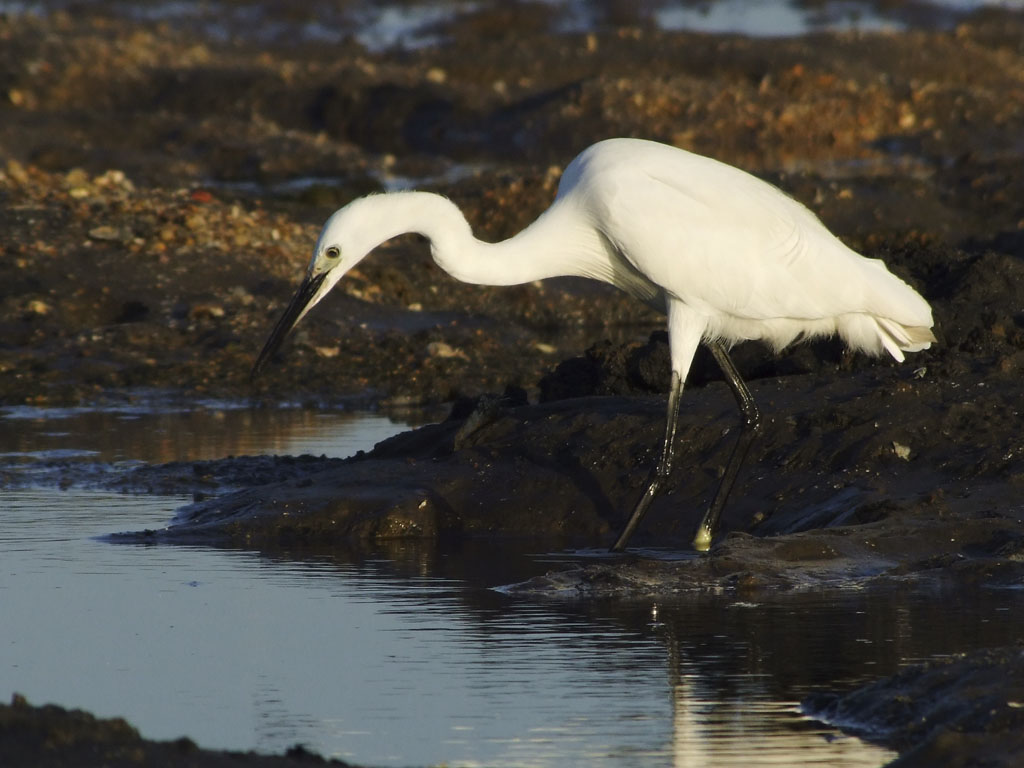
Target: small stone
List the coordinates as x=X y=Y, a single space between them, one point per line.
x=445 y=351
x=902 y=451
x=206 y=309
x=16 y=171
x=113 y=179
x=106 y=232
x=195 y=221
x=38 y=307
x=76 y=177
x=241 y=295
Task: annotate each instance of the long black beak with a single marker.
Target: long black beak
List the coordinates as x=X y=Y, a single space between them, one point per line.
x=288 y=320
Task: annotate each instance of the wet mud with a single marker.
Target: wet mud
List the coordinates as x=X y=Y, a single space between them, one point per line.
x=161 y=189
x=959 y=711
x=52 y=737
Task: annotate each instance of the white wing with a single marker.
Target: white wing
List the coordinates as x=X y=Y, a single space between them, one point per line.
x=725 y=242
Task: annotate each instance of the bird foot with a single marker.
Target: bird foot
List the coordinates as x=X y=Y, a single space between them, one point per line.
x=702 y=541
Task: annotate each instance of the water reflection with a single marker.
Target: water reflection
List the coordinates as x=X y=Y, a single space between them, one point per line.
x=193 y=432
x=707 y=680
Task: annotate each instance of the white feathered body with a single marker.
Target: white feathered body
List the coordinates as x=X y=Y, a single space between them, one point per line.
x=736 y=251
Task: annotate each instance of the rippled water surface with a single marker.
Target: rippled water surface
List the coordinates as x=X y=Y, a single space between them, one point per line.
x=408 y=655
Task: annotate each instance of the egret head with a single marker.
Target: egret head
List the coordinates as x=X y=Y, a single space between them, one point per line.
x=336 y=252
x=354 y=231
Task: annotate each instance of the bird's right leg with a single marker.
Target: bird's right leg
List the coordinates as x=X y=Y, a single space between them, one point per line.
x=750 y=427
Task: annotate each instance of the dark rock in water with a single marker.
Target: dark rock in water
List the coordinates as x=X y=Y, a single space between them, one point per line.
x=53 y=737
x=967 y=710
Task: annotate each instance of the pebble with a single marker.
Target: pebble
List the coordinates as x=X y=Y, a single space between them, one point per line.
x=106 y=232
x=76 y=178
x=902 y=451
x=241 y=295
x=114 y=179
x=205 y=309
x=445 y=351
x=16 y=172
x=38 y=307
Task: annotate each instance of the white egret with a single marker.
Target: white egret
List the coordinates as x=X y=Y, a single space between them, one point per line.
x=725 y=256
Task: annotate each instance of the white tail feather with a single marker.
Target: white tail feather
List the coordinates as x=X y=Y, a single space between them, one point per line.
x=897 y=338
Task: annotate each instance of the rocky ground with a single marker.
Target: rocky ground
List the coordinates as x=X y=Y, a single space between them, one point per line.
x=161 y=190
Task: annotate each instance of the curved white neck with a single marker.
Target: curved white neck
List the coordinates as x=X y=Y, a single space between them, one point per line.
x=555 y=244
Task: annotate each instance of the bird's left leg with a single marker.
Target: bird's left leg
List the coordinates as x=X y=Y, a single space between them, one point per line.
x=685 y=328
x=664 y=466
x=749 y=429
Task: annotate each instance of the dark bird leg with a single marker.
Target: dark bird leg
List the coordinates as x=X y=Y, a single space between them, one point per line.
x=661 y=470
x=749 y=428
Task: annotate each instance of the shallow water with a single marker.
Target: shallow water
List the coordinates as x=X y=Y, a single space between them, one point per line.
x=381 y=26
x=408 y=655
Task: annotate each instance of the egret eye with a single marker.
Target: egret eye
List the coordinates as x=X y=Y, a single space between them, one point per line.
x=334 y=252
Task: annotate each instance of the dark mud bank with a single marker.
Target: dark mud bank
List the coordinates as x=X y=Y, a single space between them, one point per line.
x=852 y=481
x=53 y=737
x=967 y=710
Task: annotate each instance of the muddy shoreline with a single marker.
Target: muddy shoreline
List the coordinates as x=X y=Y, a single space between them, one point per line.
x=160 y=191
